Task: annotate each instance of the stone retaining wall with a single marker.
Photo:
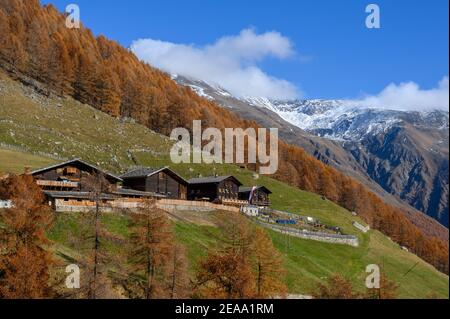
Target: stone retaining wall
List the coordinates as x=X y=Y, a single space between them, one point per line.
x=323 y=237
x=180 y=205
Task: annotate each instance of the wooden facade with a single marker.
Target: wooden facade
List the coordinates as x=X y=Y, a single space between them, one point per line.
x=260 y=195
x=65 y=188
x=162 y=181
x=217 y=189
x=70 y=176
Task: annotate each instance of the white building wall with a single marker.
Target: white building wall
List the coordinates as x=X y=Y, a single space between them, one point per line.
x=252 y=211
x=5 y=204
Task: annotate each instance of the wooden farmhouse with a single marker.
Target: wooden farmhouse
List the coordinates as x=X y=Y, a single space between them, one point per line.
x=70 y=176
x=216 y=189
x=257 y=196
x=162 y=181
x=66 y=188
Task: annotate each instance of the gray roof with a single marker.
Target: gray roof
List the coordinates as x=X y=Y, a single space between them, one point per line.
x=212 y=180
x=77 y=195
x=148 y=171
x=76 y=160
x=249 y=189
x=142 y=172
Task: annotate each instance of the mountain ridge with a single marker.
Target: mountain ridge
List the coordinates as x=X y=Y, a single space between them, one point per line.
x=406 y=152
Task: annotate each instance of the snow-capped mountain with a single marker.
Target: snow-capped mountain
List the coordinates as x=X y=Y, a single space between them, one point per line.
x=402 y=156
x=340 y=120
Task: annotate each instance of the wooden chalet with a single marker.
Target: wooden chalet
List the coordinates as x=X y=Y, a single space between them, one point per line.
x=216 y=189
x=64 y=186
x=257 y=196
x=161 y=181
x=70 y=176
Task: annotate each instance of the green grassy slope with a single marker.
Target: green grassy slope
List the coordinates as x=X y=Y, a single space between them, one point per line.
x=307 y=262
x=65 y=128
x=15 y=161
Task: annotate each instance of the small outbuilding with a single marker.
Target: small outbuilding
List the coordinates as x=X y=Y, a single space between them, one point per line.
x=250 y=210
x=217 y=189
x=256 y=195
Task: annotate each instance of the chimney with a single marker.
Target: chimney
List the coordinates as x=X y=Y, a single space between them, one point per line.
x=27 y=170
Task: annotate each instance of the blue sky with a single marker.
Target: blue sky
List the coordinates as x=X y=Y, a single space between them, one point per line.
x=335 y=56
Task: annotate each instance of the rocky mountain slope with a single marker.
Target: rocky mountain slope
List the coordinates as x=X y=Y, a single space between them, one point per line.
x=404 y=154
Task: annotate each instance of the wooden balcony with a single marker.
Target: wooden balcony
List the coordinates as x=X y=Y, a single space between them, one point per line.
x=44 y=183
x=233 y=202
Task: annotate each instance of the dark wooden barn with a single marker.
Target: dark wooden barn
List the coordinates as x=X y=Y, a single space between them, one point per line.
x=70 y=176
x=161 y=181
x=260 y=196
x=218 y=189
x=65 y=187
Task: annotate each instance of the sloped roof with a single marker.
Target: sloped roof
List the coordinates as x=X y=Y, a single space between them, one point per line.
x=141 y=172
x=148 y=171
x=76 y=195
x=212 y=180
x=74 y=161
x=249 y=189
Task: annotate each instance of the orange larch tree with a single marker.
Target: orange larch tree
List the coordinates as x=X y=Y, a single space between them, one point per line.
x=24 y=261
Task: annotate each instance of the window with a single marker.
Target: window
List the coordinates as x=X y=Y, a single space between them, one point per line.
x=71 y=170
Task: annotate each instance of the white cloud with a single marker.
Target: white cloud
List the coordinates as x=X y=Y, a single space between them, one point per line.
x=409 y=97
x=231 y=62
